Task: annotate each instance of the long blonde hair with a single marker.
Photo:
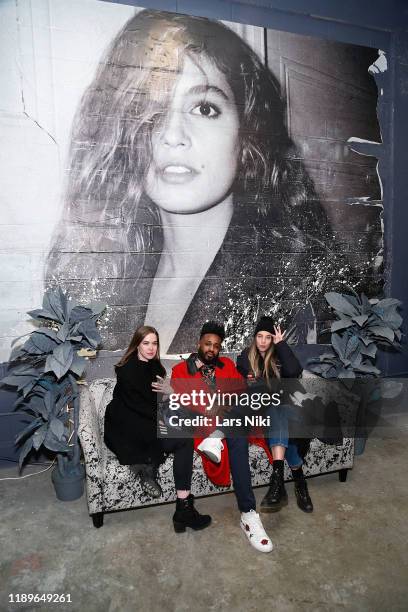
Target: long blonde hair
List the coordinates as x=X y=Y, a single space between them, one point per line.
x=137 y=338
x=271 y=366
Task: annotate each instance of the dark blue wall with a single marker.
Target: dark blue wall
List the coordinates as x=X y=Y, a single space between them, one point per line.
x=377 y=23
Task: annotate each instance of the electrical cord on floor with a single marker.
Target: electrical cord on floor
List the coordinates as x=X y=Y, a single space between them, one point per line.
x=29 y=475
x=16 y=461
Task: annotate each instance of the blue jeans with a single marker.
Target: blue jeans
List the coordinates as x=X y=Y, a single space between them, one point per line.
x=278 y=434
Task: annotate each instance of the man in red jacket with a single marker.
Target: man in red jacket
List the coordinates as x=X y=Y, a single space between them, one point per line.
x=205 y=370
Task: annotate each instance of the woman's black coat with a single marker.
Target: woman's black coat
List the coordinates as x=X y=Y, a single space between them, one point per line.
x=289 y=364
x=131 y=416
x=289 y=368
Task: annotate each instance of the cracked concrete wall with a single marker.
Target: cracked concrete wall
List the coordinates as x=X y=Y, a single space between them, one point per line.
x=49 y=53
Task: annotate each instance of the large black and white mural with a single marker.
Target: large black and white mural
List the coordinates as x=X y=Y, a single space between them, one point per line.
x=182 y=169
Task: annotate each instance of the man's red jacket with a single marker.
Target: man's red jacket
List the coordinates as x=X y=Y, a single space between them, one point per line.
x=186 y=377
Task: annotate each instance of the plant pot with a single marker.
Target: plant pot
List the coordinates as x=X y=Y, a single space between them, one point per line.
x=359 y=446
x=70 y=486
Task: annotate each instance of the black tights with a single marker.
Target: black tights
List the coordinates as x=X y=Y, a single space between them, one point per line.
x=183 y=449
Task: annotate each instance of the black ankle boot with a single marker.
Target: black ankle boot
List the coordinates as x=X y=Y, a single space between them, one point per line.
x=276 y=496
x=302 y=494
x=187 y=516
x=148 y=481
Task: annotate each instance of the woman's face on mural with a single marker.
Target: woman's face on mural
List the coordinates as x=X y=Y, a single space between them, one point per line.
x=195 y=149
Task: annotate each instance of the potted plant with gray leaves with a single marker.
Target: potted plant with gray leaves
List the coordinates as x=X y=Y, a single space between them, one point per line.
x=362 y=326
x=46 y=371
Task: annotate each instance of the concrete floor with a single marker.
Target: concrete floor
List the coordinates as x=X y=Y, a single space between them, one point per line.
x=350 y=554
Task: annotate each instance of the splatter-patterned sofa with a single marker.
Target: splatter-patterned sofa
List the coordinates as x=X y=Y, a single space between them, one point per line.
x=111 y=486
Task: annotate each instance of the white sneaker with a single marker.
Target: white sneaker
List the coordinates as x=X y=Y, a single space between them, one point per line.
x=212 y=448
x=252 y=525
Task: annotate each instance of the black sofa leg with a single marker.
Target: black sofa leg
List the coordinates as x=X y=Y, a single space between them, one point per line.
x=343 y=474
x=97 y=519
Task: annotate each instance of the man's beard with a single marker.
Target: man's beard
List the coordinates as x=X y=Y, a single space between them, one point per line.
x=206 y=360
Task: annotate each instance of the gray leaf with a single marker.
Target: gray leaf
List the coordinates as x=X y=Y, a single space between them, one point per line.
x=16 y=353
x=46 y=331
x=319 y=368
x=78 y=365
x=352 y=346
x=80 y=313
x=339 y=344
x=345 y=373
x=52 y=443
x=28 y=445
x=65 y=303
x=60 y=360
x=40 y=313
x=29 y=429
x=19 y=381
x=383 y=332
x=356 y=358
x=331 y=373
x=26 y=369
x=49 y=402
x=75 y=338
x=57 y=428
x=341 y=304
x=54 y=301
x=39 y=344
x=38 y=437
x=392 y=318
x=89 y=330
x=63 y=332
x=368 y=369
x=366 y=339
x=365 y=303
x=361 y=319
x=370 y=350
x=29 y=387
x=37 y=405
x=354 y=300
x=341 y=324
x=386 y=302
x=327 y=356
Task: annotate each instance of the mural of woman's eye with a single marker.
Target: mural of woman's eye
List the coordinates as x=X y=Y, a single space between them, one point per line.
x=206 y=109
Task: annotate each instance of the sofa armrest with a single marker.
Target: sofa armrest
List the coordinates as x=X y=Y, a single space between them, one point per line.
x=92 y=445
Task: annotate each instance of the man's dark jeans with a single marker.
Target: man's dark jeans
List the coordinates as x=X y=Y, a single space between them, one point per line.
x=241 y=474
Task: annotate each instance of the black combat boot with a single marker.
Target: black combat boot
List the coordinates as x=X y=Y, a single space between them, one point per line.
x=148 y=479
x=276 y=496
x=302 y=494
x=187 y=516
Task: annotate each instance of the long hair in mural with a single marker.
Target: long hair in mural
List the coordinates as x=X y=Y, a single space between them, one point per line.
x=186 y=197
